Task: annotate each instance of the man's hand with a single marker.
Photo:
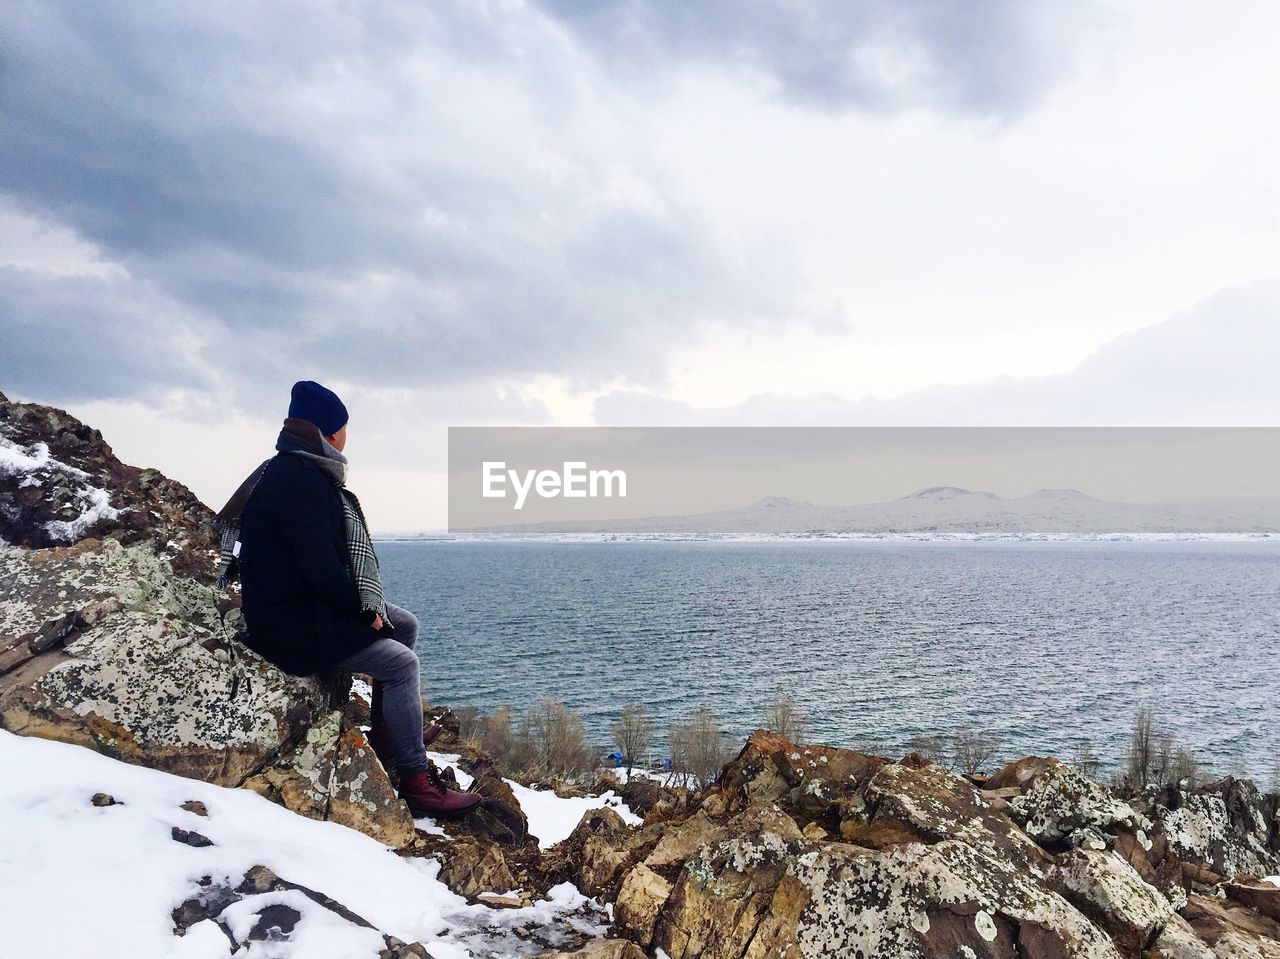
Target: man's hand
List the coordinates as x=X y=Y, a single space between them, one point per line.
x=377 y=621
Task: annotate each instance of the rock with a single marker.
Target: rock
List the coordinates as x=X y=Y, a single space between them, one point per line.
x=1233 y=931
x=154 y=675
x=641 y=898
x=815 y=852
x=190 y=838
x=471 y=866
x=195 y=806
x=1226 y=826
x=600 y=949
x=1262 y=896
x=1109 y=890
x=67 y=485
x=499 y=818
x=1060 y=807
x=103 y=799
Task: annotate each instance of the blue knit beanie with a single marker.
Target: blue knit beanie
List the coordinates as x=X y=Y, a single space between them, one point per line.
x=311 y=401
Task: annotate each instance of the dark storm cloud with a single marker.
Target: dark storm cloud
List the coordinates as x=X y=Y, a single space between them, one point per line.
x=992 y=58
x=395 y=192
x=93 y=337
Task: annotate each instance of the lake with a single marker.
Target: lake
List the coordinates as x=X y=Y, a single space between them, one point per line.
x=1045 y=645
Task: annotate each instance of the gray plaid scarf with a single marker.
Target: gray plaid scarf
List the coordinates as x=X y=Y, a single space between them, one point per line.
x=303 y=438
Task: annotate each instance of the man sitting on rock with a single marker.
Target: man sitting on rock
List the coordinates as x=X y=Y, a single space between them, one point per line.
x=312 y=593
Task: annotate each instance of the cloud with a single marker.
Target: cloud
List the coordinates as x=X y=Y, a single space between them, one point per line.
x=405 y=194
x=1212 y=365
x=990 y=58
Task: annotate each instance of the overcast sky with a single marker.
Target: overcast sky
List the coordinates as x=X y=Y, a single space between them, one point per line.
x=638 y=213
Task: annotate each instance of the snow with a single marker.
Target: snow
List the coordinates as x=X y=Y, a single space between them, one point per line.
x=1274 y=880
x=77 y=879
x=14 y=460
x=95 y=503
x=552 y=819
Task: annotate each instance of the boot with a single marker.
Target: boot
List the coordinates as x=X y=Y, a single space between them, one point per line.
x=426 y=795
x=431 y=733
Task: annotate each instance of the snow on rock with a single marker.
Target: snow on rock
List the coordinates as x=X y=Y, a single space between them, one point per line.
x=104 y=879
x=552 y=818
x=60 y=481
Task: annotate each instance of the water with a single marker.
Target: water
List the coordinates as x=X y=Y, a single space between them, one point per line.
x=1047 y=646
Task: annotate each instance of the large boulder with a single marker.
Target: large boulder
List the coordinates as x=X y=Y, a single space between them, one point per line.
x=1226 y=826
x=106 y=646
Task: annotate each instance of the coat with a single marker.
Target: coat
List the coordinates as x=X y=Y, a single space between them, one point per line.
x=301 y=605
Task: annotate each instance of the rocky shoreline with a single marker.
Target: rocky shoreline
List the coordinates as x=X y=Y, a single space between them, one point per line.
x=112 y=639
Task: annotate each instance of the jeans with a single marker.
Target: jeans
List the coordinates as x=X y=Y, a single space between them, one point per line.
x=397 y=688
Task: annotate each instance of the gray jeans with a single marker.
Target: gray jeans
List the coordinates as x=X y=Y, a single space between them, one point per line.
x=397 y=688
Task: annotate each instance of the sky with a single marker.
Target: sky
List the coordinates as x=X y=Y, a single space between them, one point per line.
x=999 y=212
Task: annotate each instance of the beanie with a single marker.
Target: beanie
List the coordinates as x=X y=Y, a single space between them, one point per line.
x=311 y=401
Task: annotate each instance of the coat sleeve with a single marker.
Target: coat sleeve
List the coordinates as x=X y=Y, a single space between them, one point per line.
x=305 y=523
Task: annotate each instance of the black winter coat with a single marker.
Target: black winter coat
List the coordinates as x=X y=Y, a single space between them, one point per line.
x=301 y=605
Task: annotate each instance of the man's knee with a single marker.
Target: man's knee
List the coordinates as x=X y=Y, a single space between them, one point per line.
x=405 y=625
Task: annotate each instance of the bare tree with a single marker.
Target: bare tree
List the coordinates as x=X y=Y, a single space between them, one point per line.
x=1086 y=760
x=1155 y=758
x=783 y=717
x=632 y=734
x=1141 y=758
x=973 y=750
x=699 y=749
x=559 y=740
x=932 y=747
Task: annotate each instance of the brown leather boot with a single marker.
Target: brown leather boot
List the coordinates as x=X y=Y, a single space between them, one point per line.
x=426 y=795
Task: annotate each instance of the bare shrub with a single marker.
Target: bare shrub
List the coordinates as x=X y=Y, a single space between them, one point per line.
x=509 y=747
x=558 y=741
x=1154 y=758
x=633 y=734
x=783 y=717
x=470 y=724
x=699 y=749
x=932 y=747
x=1086 y=760
x=973 y=750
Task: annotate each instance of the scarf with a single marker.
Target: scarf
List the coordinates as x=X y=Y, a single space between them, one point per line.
x=302 y=438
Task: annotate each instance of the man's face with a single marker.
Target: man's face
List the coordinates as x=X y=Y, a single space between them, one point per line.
x=339 y=439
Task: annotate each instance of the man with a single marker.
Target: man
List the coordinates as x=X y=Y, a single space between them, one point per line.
x=312 y=593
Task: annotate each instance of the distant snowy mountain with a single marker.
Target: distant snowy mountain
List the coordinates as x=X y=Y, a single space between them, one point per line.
x=943 y=512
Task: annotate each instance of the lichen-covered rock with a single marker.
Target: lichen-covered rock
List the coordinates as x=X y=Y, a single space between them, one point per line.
x=921 y=802
x=1059 y=806
x=806 y=853
x=1109 y=890
x=1226 y=826
x=144 y=666
x=157 y=681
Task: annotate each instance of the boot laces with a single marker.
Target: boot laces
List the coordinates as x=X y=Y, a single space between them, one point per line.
x=433 y=776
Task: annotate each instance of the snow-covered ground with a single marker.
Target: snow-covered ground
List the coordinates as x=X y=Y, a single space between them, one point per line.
x=77 y=879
